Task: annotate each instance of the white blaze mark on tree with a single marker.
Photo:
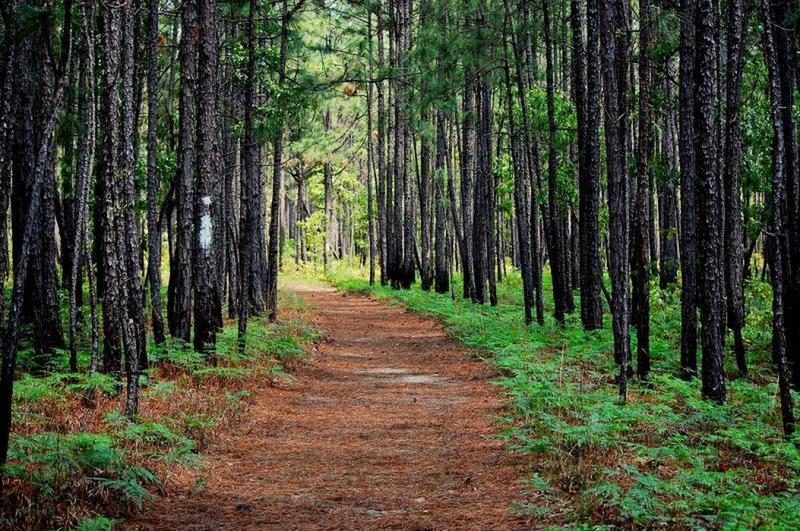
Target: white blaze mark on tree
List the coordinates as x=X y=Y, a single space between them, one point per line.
x=206 y=226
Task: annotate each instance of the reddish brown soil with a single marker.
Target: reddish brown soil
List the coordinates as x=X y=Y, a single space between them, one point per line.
x=390 y=425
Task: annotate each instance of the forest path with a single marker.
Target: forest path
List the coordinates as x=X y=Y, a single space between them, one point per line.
x=391 y=425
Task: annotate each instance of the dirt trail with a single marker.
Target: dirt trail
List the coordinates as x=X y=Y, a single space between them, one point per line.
x=390 y=425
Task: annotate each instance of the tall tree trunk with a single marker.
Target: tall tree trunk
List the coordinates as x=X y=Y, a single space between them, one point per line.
x=688 y=240
x=667 y=198
x=520 y=189
x=407 y=264
x=33 y=89
x=467 y=174
x=784 y=17
x=641 y=231
x=251 y=195
x=180 y=289
x=207 y=303
x=370 y=157
x=133 y=337
x=779 y=236
x=153 y=178
x=113 y=269
x=441 y=177
x=31 y=229
x=277 y=179
x=615 y=120
x=556 y=245
x=589 y=185
x=327 y=186
x=381 y=155
x=709 y=204
x=83 y=175
x=734 y=265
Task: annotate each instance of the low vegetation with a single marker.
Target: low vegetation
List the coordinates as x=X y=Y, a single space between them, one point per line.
x=666 y=457
x=76 y=461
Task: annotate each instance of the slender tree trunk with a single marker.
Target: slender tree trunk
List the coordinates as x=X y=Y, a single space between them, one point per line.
x=381 y=156
x=113 y=297
x=327 y=186
x=133 y=336
x=370 y=158
x=277 y=179
x=153 y=178
x=688 y=240
x=180 y=322
x=779 y=236
x=733 y=263
x=207 y=303
x=615 y=120
x=589 y=189
x=520 y=190
x=83 y=174
x=641 y=231
x=467 y=173
x=441 y=177
x=407 y=264
x=667 y=199
x=556 y=241
x=709 y=204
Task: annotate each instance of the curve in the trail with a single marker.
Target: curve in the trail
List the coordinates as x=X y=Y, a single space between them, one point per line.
x=391 y=425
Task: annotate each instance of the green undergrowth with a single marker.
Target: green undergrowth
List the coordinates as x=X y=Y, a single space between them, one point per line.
x=76 y=462
x=665 y=458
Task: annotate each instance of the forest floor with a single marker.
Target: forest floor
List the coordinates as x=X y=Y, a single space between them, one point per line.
x=665 y=458
x=391 y=424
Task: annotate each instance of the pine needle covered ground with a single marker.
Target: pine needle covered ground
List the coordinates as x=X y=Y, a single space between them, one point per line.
x=76 y=461
x=667 y=457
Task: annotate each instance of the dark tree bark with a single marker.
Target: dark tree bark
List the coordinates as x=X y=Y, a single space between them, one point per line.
x=784 y=16
x=153 y=178
x=232 y=169
x=734 y=265
x=709 y=204
x=207 y=303
x=327 y=186
x=520 y=188
x=180 y=280
x=467 y=175
x=133 y=337
x=615 y=120
x=277 y=179
x=481 y=206
x=589 y=189
x=381 y=155
x=556 y=246
x=112 y=257
x=688 y=240
x=641 y=231
x=251 y=194
x=370 y=158
x=29 y=232
x=667 y=199
x=407 y=272
x=33 y=89
x=426 y=272
x=6 y=132
x=83 y=174
x=441 y=177
x=779 y=237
